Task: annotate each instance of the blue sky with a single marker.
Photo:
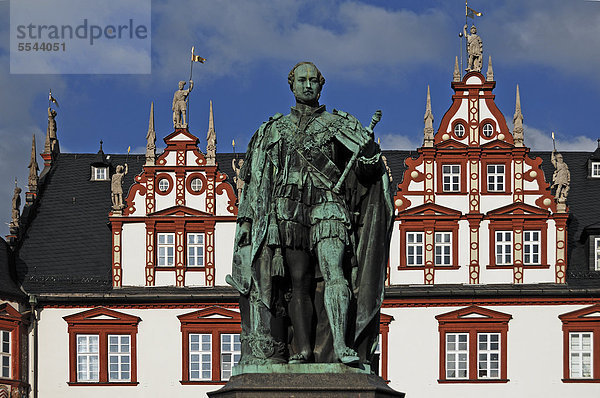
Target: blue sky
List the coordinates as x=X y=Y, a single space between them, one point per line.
x=373 y=54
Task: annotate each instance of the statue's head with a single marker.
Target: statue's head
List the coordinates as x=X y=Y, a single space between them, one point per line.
x=241 y=162
x=559 y=158
x=306 y=82
x=181 y=84
x=17 y=190
x=119 y=169
x=473 y=29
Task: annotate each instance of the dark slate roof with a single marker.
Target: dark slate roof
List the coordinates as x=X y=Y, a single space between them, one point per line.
x=8 y=285
x=66 y=246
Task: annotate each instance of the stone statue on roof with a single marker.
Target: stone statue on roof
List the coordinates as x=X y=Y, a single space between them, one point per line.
x=180 y=105
x=15 y=210
x=474 y=50
x=116 y=187
x=561 y=179
x=313 y=232
x=239 y=183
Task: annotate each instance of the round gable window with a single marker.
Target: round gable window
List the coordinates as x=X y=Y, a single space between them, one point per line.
x=196 y=185
x=459 y=130
x=488 y=130
x=163 y=185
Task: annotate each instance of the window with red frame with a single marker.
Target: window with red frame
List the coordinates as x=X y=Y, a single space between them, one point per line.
x=211 y=345
x=13 y=329
x=102 y=347
x=581 y=345
x=473 y=346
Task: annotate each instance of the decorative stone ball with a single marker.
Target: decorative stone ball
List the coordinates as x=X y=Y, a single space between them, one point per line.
x=533 y=173
x=547 y=202
x=398 y=202
x=414 y=174
x=445 y=137
x=500 y=136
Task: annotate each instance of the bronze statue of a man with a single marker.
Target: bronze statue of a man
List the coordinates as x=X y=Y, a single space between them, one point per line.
x=306 y=252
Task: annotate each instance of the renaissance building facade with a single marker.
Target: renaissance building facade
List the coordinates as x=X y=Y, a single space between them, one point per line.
x=493 y=283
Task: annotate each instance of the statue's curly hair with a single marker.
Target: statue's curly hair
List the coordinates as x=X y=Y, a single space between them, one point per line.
x=291 y=74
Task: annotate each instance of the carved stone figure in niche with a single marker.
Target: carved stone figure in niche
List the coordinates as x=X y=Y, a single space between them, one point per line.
x=15 y=211
x=239 y=183
x=180 y=106
x=474 y=49
x=312 y=240
x=116 y=187
x=561 y=179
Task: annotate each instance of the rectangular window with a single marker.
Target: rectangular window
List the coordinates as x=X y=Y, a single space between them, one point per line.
x=531 y=247
x=414 y=248
x=87 y=357
x=195 y=247
x=443 y=248
x=5 y=353
x=495 y=177
x=99 y=173
x=488 y=355
x=595 y=169
x=231 y=350
x=504 y=248
x=597 y=253
x=580 y=359
x=119 y=358
x=166 y=250
x=451 y=177
x=200 y=356
x=457 y=355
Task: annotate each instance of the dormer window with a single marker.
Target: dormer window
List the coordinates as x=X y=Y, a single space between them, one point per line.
x=99 y=173
x=595 y=170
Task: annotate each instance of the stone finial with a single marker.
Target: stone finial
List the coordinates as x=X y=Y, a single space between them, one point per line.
x=456 y=70
x=211 y=140
x=151 y=139
x=33 y=169
x=561 y=179
x=15 y=211
x=428 y=119
x=518 y=122
x=474 y=50
x=490 y=71
x=180 y=105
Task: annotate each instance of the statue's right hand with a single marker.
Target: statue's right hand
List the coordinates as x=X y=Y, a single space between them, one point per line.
x=244 y=234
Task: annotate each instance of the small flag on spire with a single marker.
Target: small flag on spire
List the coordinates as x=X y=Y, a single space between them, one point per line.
x=197 y=58
x=128 y=149
x=471 y=13
x=52 y=99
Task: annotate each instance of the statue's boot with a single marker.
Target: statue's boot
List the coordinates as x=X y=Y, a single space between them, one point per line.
x=337 y=300
x=301 y=315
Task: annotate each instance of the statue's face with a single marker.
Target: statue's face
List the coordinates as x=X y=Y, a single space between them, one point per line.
x=306 y=85
x=473 y=29
x=181 y=84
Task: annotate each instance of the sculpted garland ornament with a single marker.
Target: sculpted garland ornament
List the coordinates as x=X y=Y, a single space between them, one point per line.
x=312 y=239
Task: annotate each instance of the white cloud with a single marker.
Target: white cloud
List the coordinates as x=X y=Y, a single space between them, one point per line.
x=399 y=141
x=539 y=140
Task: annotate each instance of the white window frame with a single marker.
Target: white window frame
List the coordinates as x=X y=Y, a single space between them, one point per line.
x=85 y=354
x=532 y=247
x=577 y=355
x=457 y=356
x=459 y=130
x=488 y=355
x=165 y=249
x=202 y=355
x=503 y=247
x=597 y=254
x=5 y=354
x=488 y=128
x=161 y=185
x=451 y=177
x=119 y=357
x=415 y=248
x=196 y=243
x=595 y=170
x=496 y=179
x=99 y=173
x=196 y=184
x=231 y=351
x=443 y=248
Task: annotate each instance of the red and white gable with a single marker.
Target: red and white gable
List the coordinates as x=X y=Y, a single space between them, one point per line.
x=475 y=176
x=178 y=214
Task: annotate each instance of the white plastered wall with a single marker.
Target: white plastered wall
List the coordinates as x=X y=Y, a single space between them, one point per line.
x=133 y=246
x=224 y=236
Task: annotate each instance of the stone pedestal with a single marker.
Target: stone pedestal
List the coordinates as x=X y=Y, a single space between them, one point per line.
x=305 y=381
